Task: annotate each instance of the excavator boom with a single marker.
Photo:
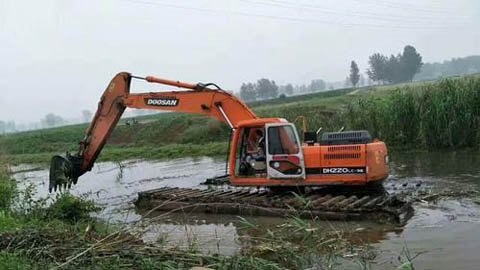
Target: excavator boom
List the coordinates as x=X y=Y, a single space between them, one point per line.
x=198 y=99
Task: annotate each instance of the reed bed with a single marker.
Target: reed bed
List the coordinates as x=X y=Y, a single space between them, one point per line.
x=440 y=115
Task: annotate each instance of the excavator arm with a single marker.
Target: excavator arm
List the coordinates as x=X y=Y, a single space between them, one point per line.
x=198 y=99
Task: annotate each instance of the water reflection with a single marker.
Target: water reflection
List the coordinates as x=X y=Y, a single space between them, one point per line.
x=228 y=234
x=460 y=167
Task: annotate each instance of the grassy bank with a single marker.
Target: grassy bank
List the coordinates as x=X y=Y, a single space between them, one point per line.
x=117 y=153
x=434 y=115
x=165 y=129
x=170 y=135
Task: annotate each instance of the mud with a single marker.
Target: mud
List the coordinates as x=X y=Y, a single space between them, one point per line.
x=444 y=188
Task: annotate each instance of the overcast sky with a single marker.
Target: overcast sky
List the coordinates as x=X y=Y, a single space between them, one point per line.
x=59 y=55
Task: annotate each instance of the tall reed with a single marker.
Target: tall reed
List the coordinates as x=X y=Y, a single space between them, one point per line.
x=445 y=114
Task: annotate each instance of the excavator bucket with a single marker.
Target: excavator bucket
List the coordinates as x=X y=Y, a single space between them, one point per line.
x=64 y=170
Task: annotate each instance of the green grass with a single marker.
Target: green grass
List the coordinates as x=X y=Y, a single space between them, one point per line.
x=7 y=186
x=8 y=222
x=116 y=153
x=302 y=98
x=171 y=135
x=167 y=129
x=12 y=261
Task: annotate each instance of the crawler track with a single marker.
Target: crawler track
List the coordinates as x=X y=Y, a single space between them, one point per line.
x=377 y=207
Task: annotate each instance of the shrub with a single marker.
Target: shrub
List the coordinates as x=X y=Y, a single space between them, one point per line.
x=7 y=188
x=13 y=261
x=70 y=208
x=7 y=193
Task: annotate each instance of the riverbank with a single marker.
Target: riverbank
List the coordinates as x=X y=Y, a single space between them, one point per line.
x=116 y=154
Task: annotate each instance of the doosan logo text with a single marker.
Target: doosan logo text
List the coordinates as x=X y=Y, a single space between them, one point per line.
x=168 y=102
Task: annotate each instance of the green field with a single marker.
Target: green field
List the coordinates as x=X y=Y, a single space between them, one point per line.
x=442 y=114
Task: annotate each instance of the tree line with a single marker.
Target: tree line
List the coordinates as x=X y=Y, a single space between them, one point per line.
x=394 y=68
x=453 y=67
x=408 y=66
x=262 y=89
x=382 y=69
x=268 y=89
x=50 y=120
x=6 y=127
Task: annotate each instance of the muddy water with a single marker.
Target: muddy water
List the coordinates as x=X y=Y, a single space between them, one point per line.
x=447 y=231
x=116 y=185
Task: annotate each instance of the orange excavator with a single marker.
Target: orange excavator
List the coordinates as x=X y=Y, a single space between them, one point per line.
x=264 y=152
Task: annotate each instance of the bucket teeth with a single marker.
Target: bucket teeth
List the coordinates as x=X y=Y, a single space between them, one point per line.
x=63 y=172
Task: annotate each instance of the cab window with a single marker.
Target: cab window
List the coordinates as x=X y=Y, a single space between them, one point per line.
x=282 y=141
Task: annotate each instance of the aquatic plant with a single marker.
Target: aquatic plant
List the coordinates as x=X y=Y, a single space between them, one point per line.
x=444 y=114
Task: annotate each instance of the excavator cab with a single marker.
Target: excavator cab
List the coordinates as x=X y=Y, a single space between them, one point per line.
x=284 y=152
x=250 y=158
x=268 y=151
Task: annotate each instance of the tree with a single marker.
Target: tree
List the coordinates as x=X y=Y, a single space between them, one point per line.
x=266 y=89
x=362 y=80
x=10 y=126
x=301 y=88
x=248 y=92
x=274 y=90
x=378 y=64
x=455 y=66
x=369 y=81
x=289 y=89
x=86 y=115
x=393 y=69
x=347 y=83
x=411 y=61
x=3 y=127
x=316 y=86
x=354 y=74
x=52 y=120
